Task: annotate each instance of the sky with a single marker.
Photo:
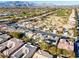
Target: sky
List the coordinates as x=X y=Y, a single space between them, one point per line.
x=56 y=2
x=62 y=2
x=39 y=0
x=66 y=2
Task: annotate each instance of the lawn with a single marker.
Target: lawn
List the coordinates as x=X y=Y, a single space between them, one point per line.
x=61 y=12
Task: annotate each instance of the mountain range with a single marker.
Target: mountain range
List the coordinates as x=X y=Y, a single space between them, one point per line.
x=6 y=4
x=24 y=4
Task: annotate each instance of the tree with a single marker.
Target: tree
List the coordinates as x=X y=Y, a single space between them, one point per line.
x=58 y=51
x=53 y=50
x=43 y=45
x=70 y=54
x=65 y=52
x=24 y=12
x=16 y=34
x=25 y=39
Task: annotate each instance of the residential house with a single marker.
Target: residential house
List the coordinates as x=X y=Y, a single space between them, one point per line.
x=10 y=46
x=26 y=51
x=4 y=37
x=42 y=54
x=63 y=44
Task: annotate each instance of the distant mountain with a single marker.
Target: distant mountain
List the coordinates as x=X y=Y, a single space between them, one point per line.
x=16 y=4
x=33 y=4
x=25 y=4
